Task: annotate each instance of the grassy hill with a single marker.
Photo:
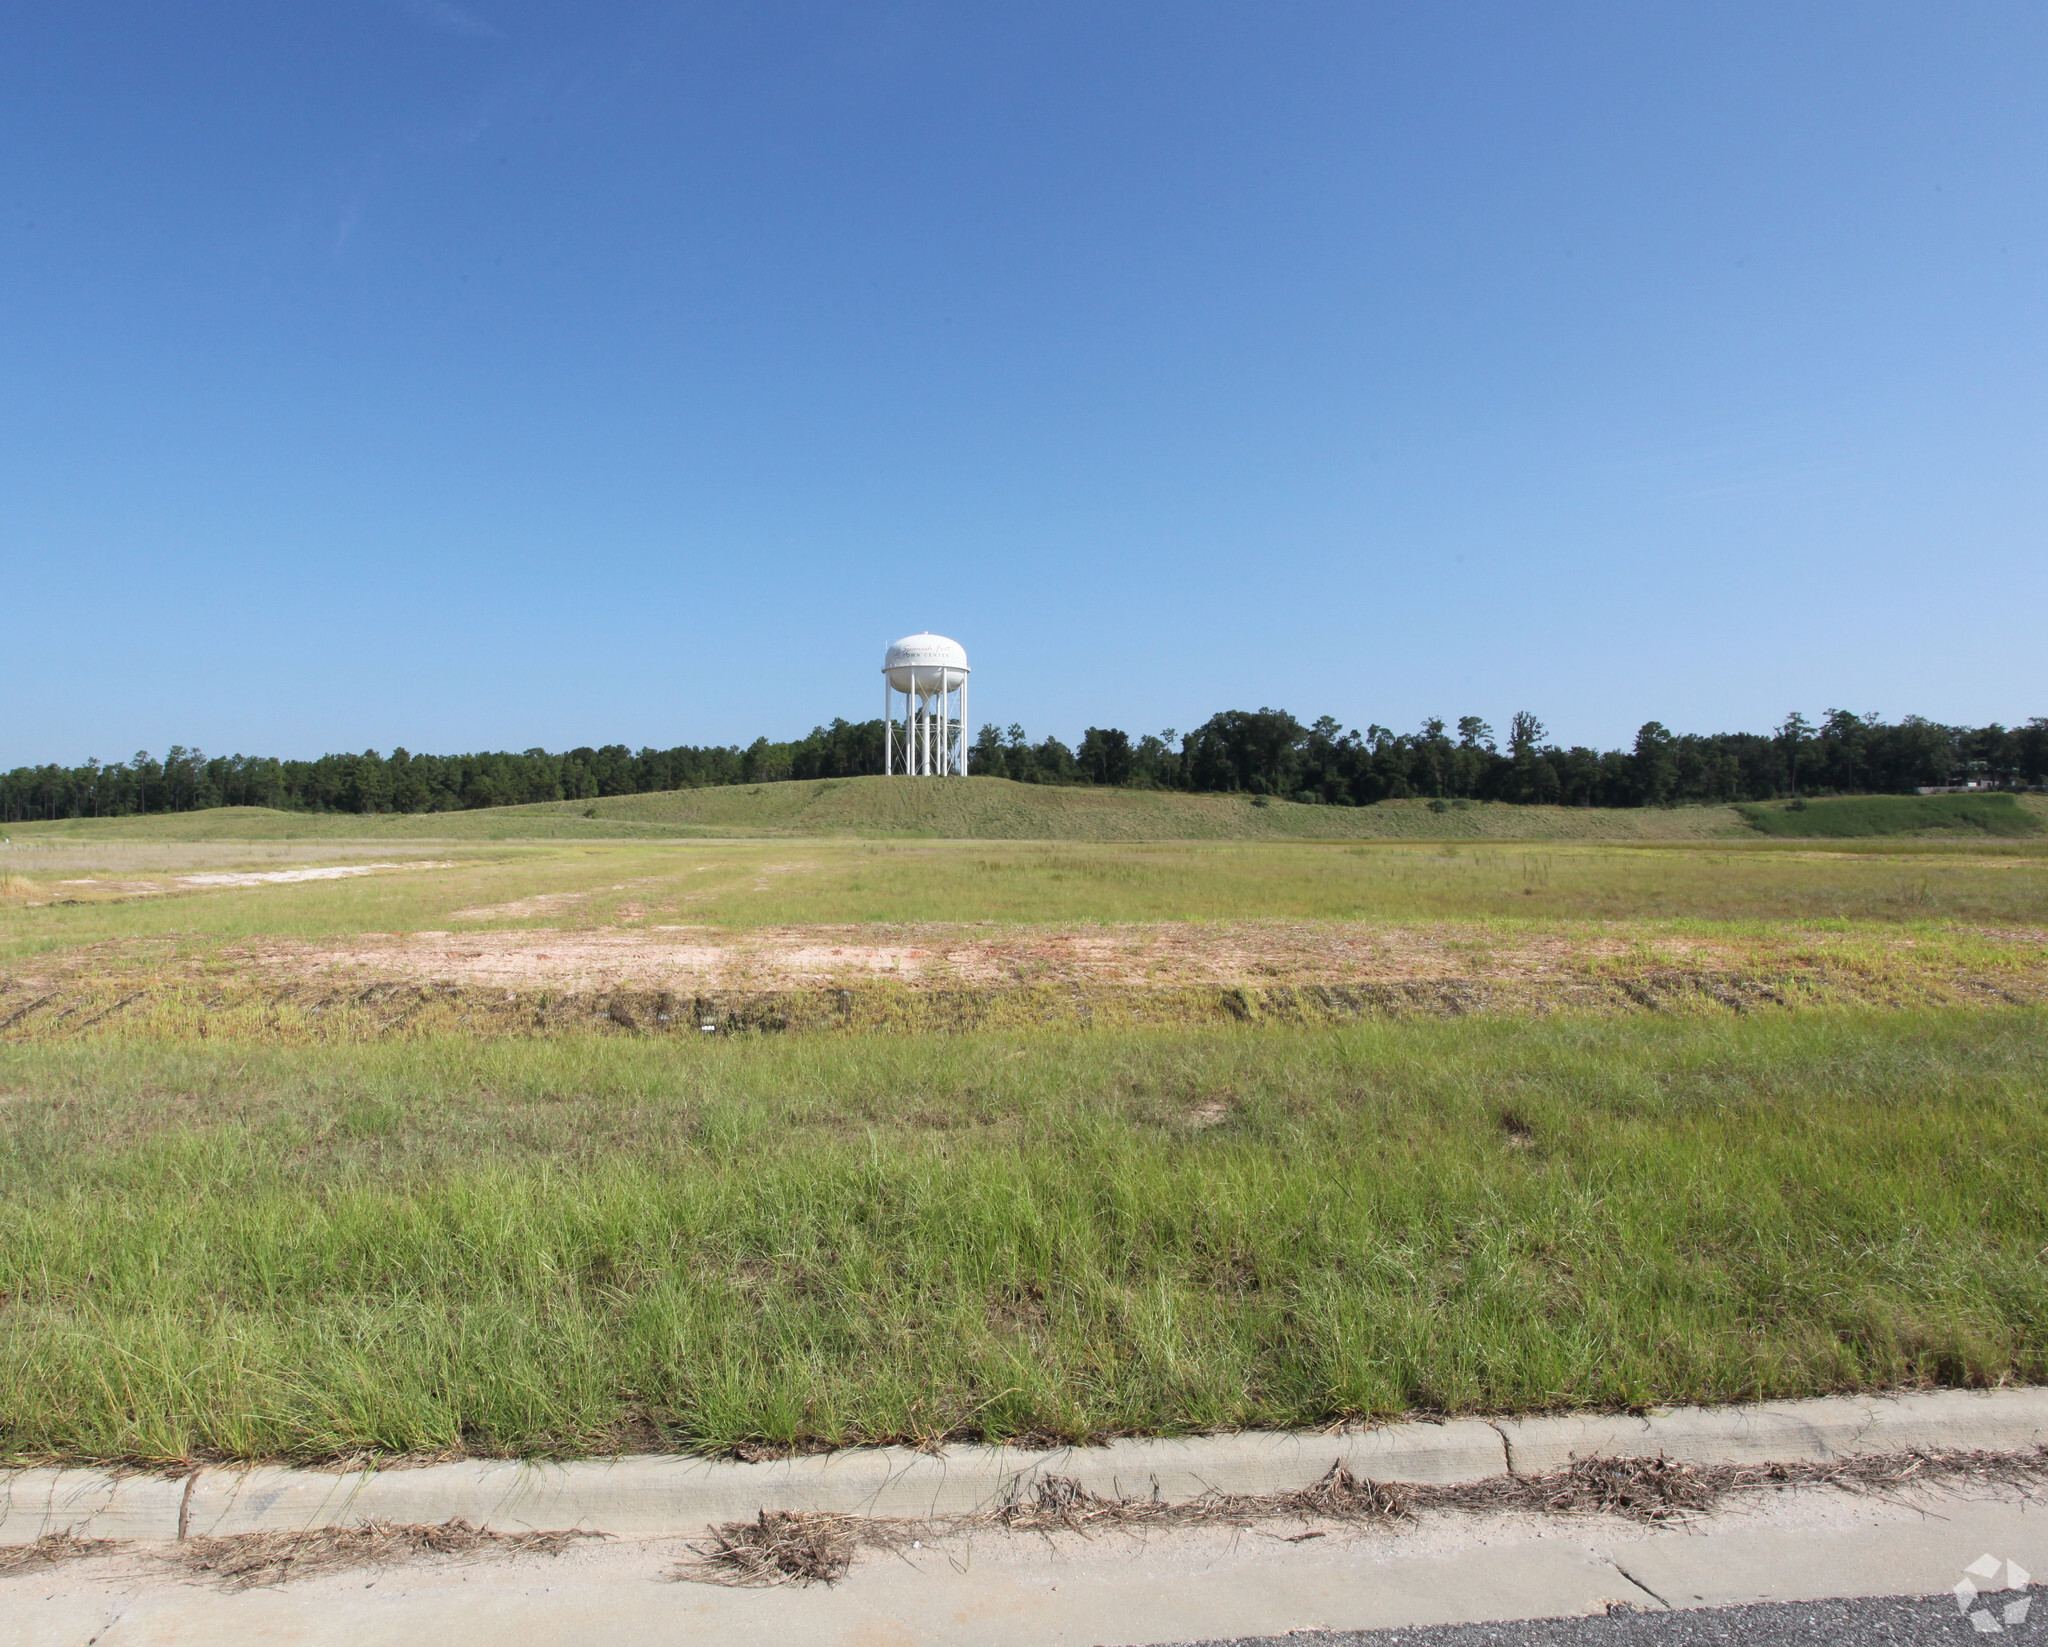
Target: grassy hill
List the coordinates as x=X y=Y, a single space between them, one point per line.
x=919 y=808
x=1869 y=815
x=997 y=809
x=230 y=824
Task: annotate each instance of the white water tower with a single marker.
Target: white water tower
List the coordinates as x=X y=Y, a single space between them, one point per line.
x=931 y=673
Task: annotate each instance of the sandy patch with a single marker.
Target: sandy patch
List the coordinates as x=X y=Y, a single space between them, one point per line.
x=1164 y=953
x=513 y=960
x=266 y=877
x=959 y=975
x=253 y=877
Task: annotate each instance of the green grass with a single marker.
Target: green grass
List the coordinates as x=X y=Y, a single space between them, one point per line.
x=740 y=885
x=918 y=808
x=1849 y=816
x=373 y=832
x=982 y=809
x=227 y=1236
x=997 y=809
x=581 y=1245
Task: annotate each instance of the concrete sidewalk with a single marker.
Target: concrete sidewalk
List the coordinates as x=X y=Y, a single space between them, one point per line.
x=997 y=1589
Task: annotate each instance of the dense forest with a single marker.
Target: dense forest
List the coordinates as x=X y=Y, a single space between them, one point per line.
x=1256 y=752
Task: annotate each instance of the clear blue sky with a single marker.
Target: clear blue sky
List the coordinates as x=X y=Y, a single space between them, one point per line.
x=488 y=373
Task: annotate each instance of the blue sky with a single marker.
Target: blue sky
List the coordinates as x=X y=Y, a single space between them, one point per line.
x=500 y=374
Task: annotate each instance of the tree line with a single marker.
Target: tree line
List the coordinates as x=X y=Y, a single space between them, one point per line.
x=1269 y=752
x=1264 y=752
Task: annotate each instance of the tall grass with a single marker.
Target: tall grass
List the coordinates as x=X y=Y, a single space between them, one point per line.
x=579 y=1245
x=1847 y=816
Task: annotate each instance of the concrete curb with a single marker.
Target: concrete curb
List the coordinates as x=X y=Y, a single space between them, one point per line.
x=657 y=1495
x=1789 y=1432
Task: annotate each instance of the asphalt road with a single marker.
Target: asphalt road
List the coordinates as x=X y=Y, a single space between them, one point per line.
x=1918 y=1621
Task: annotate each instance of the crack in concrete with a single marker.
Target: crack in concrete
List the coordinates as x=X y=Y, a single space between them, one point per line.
x=1507 y=1447
x=1638 y=1583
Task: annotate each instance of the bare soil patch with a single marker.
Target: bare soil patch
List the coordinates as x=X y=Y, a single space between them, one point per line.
x=94 y=887
x=1167 y=953
x=268 y=877
x=672 y=979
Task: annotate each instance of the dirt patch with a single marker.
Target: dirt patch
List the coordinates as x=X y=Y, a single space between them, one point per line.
x=512 y=960
x=783 y=957
x=901 y=979
x=211 y=879
x=269 y=877
x=1255 y=953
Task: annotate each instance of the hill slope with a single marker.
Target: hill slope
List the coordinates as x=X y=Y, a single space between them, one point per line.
x=1849 y=816
x=997 y=809
x=930 y=808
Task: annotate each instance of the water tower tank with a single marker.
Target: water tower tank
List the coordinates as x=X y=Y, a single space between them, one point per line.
x=925 y=663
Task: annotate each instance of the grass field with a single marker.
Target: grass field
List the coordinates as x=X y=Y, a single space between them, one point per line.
x=92 y=893
x=920 y=808
x=997 y=809
x=585 y=1245
x=435 y=1157
x=124 y=938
